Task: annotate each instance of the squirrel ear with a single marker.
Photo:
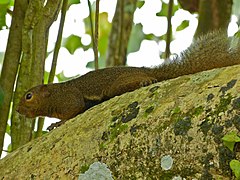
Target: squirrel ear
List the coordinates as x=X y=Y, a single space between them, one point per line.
x=44 y=91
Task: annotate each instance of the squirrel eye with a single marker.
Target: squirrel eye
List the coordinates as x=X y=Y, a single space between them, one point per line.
x=28 y=96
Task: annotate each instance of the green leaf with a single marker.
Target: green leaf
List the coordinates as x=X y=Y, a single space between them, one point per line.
x=175 y=8
x=46 y=77
x=3 y=12
x=230 y=139
x=140 y=4
x=8 y=130
x=62 y=78
x=90 y=64
x=136 y=38
x=4 y=2
x=129 y=8
x=150 y=37
x=35 y=133
x=101 y=63
x=237 y=34
x=9 y=148
x=235 y=166
x=104 y=31
x=11 y=3
x=71 y=2
x=164 y=10
x=183 y=25
x=4 y=6
x=72 y=43
x=235 y=8
x=230 y=145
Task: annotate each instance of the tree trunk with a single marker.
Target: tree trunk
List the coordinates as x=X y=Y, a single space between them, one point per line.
x=39 y=17
x=172 y=128
x=120 y=32
x=10 y=64
x=213 y=15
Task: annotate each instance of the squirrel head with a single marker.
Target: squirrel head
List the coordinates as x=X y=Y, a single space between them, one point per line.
x=32 y=101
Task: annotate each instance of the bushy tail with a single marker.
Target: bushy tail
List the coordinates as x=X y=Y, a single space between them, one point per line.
x=213 y=50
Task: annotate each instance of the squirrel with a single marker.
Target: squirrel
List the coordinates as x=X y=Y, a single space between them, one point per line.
x=68 y=99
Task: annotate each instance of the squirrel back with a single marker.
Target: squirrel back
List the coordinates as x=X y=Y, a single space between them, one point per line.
x=66 y=100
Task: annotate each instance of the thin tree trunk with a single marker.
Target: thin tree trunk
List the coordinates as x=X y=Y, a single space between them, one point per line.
x=120 y=33
x=10 y=63
x=35 y=35
x=213 y=15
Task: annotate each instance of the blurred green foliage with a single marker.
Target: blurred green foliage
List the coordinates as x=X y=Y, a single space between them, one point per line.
x=72 y=43
x=71 y=2
x=136 y=38
x=4 y=6
x=164 y=10
x=140 y=3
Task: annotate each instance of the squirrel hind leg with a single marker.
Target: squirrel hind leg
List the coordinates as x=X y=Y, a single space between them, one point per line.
x=129 y=82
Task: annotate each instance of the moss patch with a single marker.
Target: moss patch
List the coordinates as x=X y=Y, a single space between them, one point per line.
x=183 y=120
x=149 y=110
x=182 y=126
x=229 y=85
x=119 y=123
x=205 y=126
x=225 y=156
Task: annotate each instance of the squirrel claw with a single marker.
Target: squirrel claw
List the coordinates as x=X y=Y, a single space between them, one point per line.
x=55 y=125
x=147 y=83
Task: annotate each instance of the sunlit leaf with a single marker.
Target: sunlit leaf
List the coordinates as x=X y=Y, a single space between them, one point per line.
x=230 y=145
x=8 y=130
x=3 y=11
x=140 y=4
x=235 y=166
x=136 y=38
x=72 y=43
x=230 y=139
x=164 y=10
x=237 y=34
x=4 y=2
x=71 y=2
x=62 y=78
x=46 y=76
x=104 y=28
x=35 y=134
x=9 y=148
x=151 y=37
x=129 y=8
x=11 y=3
x=90 y=64
x=183 y=25
x=101 y=63
x=104 y=31
x=235 y=8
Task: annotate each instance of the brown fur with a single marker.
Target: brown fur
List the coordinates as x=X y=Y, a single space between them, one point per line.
x=66 y=100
